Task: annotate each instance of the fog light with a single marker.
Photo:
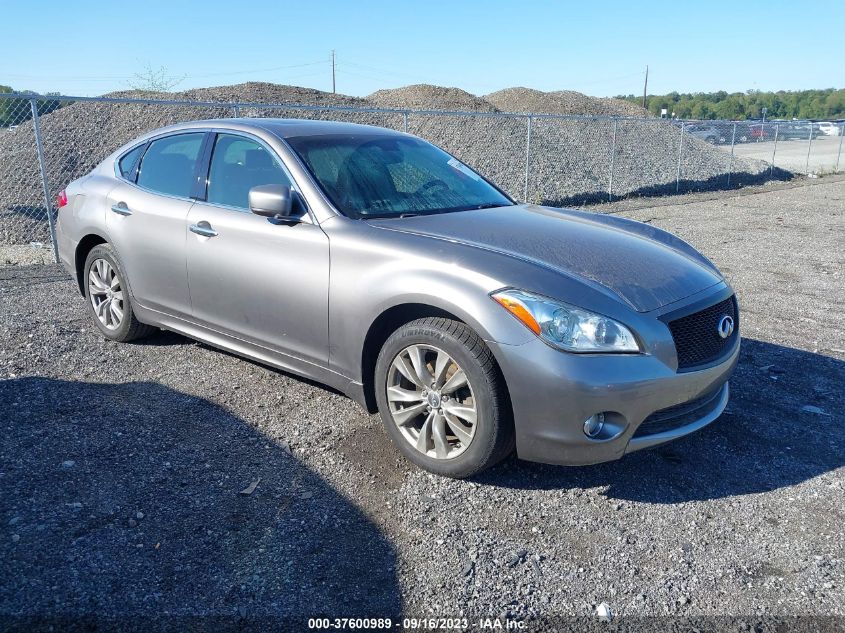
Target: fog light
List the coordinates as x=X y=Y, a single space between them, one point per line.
x=594 y=425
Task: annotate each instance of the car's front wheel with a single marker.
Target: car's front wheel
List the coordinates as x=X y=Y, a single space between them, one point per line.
x=108 y=296
x=442 y=398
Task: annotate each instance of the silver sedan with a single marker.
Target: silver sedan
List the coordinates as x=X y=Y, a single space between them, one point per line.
x=376 y=263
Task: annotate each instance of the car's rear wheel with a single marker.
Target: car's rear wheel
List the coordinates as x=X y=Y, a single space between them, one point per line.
x=442 y=398
x=108 y=297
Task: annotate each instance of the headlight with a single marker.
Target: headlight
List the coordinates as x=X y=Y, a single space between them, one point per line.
x=565 y=326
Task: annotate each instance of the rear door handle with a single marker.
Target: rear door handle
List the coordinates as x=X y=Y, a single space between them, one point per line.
x=203 y=229
x=121 y=209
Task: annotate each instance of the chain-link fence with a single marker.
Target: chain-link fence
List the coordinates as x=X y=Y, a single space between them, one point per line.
x=557 y=160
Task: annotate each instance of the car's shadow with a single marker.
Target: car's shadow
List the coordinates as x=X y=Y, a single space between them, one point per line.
x=123 y=503
x=762 y=442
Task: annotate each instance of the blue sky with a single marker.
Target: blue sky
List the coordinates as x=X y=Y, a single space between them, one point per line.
x=600 y=48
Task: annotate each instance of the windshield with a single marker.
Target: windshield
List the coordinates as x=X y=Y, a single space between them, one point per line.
x=374 y=175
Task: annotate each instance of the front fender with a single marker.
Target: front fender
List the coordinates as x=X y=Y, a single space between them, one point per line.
x=370 y=276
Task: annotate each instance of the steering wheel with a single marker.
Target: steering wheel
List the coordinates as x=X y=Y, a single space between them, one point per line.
x=432 y=185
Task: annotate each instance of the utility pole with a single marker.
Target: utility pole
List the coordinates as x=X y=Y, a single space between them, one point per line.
x=333 y=85
x=645 y=86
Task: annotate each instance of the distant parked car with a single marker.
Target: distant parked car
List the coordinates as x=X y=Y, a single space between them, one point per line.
x=375 y=262
x=746 y=131
x=829 y=128
x=797 y=131
x=709 y=133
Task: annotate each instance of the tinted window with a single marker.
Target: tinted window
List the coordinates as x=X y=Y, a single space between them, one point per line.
x=168 y=166
x=237 y=165
x=382 y=176
x=127 y=163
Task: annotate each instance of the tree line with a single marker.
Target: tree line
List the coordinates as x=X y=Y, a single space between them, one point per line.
x=784 y=104
x=17 y=111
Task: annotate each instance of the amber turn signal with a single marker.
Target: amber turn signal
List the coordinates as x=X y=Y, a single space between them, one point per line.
x=519 y=311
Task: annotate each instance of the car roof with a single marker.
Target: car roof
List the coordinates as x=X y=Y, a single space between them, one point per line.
x=286 y=128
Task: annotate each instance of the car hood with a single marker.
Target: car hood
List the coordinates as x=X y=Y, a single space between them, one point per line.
x=646 y=267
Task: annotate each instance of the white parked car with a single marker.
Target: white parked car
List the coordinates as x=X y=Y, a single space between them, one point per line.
x=830 y=129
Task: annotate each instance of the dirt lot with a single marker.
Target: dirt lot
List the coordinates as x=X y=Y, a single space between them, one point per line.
x=122 y=466
x=824 y=156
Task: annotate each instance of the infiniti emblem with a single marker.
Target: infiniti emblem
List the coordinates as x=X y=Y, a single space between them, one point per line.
x=726 y=326
x=434 y=400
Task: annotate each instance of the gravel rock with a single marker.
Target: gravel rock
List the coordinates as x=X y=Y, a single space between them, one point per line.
x=532 y=101
x=427 y=97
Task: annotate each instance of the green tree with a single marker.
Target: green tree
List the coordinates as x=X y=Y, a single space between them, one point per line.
x=828 y=103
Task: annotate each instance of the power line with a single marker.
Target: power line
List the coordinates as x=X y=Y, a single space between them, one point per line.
x=609 y=79
x=257 y=70
x=123 y=77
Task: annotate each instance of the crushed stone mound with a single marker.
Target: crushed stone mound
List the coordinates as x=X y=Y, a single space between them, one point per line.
x=250 y=92
x=428 y=97
x=561 y=102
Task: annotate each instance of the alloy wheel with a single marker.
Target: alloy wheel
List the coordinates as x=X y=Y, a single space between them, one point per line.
x=106 y=292
x=431 y=401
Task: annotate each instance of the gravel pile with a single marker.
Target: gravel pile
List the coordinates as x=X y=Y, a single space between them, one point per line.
x=569 y=161
x=561 y=102
x=125 y=473
x=428 y=97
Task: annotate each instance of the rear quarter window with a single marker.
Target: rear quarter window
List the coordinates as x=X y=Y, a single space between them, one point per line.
x=126 y=164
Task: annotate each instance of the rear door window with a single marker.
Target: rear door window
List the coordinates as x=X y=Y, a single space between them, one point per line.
x=237 y=165
x=169 y=165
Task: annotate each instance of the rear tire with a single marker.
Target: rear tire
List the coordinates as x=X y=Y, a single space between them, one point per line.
x=442 y=398
x=108 y=296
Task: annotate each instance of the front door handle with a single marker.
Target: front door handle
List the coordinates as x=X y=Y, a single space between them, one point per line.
x=121 y=209
x=204 y=229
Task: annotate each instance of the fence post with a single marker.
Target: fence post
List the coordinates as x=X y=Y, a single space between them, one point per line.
x=841 y=129
x=731 y=163
x=527 y=158
x=680 y=152
x=48 y=199
x=612 y=161
x=405 y=121
x=774 y=149
x=809 y=149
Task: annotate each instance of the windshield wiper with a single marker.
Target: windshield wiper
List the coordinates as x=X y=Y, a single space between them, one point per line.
x=490 y=205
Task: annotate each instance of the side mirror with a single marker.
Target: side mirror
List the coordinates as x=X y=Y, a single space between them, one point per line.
x=271 y=201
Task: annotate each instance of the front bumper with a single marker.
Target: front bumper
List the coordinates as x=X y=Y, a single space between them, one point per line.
x=554 y=392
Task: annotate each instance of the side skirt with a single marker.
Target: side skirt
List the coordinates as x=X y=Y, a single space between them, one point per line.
x=252 y=351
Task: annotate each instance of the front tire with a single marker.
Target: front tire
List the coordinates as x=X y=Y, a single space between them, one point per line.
x=108 y=296
x=442 y=398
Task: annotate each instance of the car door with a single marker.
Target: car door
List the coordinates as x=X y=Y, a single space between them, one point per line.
x=258 y=279
x=146 y=220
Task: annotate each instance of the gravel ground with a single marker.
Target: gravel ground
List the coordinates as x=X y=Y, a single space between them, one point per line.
x=124 y=468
